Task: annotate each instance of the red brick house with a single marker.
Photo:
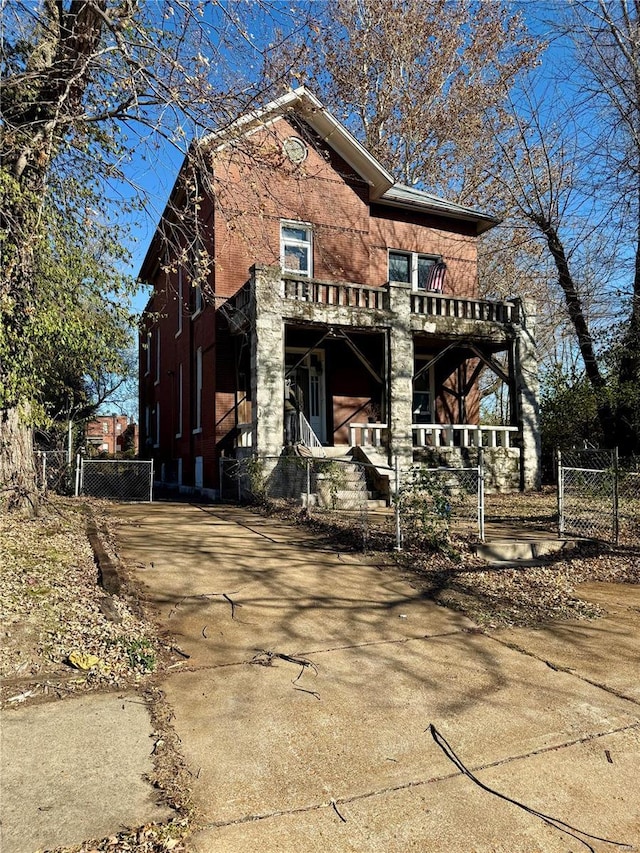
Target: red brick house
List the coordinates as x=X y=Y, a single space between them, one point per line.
x=111 y=434
x=290 y=273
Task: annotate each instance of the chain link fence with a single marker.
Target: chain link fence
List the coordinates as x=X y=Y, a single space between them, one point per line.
x=628 y=476
x=360 y=500
x=599 y=495
x=53 y=471
x=115 y=479
x=432 y=501
x=334 y=490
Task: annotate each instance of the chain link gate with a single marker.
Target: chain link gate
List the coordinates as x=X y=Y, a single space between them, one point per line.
x=628 y=475
x=115 y=479
x=343 y=493
x=332 y=489
x=588 y=493
x=429 y=501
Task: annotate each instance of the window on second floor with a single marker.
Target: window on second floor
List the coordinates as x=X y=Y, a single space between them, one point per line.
x=411 y=268
x=158 y=363
x=180 y=300
x=198 y=394
x=296 y=249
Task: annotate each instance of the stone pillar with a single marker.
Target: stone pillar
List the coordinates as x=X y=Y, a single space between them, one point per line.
x=267 y=362
x=401 y=373
x=527 y=395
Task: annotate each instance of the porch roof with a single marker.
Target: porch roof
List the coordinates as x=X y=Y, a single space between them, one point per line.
x=401 y=195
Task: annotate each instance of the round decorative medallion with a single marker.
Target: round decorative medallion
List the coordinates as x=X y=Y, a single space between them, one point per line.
x=295 y=149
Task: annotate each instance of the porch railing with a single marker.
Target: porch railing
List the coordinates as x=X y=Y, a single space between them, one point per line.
x=462 y=435
x=439 y=305
x=334 y=293
x=307 y=435
x=367 y=435
x=245 y=435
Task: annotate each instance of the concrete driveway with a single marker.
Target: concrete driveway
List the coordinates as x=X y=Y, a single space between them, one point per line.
x=314 y=676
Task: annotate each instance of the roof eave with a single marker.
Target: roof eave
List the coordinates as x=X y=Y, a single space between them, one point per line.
x=483 y=222
x=327 y=127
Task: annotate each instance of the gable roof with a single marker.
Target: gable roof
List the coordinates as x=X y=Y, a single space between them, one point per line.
x=325 y=125
x=382 y=186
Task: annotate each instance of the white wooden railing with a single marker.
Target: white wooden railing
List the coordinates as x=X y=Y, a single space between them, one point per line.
x=459 y=308
x=345 y=295
x=245 y=435
x=462 y=435
x=366 y=435
x=307 y=435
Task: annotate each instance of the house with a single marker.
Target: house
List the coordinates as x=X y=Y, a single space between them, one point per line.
x=301 y=295
x=111 y=434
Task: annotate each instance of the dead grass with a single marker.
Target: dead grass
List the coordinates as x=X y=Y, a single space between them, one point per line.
x=54 y=613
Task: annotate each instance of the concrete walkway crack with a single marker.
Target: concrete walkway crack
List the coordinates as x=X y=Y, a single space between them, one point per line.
x=415 y=783
x=559 y=668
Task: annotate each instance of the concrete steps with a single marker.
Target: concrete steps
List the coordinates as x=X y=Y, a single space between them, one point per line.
x=521 y=552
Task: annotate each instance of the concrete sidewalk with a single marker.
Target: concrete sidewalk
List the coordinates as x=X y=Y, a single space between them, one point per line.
x=74 y=770
x=332 y=752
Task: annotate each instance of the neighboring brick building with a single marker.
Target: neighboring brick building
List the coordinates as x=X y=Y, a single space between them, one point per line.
x=290 y=267
x=111 y=434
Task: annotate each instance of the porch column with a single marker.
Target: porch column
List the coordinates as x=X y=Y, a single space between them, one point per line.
x=401 y=373
x=527 y=391
x=267 y=362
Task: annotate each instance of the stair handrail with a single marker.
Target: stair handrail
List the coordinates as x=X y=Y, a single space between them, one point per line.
x=307 y=435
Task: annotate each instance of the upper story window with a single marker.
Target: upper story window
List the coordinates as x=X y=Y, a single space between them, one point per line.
x=148 y=356
x=296 y=248
x=180 y=300
x=414 y=269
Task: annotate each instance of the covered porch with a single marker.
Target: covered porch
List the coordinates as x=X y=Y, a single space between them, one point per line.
x=384 y=369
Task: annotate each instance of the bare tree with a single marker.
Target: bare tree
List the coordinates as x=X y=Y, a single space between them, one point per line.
x=85 y=84
x=571 y=170
x=415 y=79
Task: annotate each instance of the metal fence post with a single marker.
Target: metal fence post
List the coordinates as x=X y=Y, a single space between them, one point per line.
x=616 y=496
x=397 y=501
x=151 y=482
x=481 y=493
x=560 y=494
x=78 y=474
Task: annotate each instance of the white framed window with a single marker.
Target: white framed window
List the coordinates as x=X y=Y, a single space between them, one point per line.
x=157 y=441
x=157 y=380
x=423 y=407
x=198 y=400
x=198 y=472
x=411 y=268
x=180 y=300
x=179 y=402
x=198 y=267
x=147 y=369
x=296 y=248
x=198 y=300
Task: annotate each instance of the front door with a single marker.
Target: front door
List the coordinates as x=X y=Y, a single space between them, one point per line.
x=309 y=377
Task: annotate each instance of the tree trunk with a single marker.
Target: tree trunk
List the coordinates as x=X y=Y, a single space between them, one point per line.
x=18 y=488
x=585 y=341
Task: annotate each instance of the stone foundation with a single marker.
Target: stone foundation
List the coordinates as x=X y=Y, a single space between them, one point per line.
x=501 y=464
